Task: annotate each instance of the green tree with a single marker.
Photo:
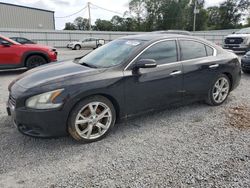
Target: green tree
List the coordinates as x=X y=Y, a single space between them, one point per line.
x=81 y=23
x=137 y=11
x=213 y=16
x=231 y=13
x=69 y=26
x=103 y=25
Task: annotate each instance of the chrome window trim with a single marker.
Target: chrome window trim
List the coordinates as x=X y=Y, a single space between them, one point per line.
x=176 y=40
x=214 y=52
x=163 y=40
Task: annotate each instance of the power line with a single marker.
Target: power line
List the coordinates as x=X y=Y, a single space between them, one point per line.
x=106 y=9
x=73 y=13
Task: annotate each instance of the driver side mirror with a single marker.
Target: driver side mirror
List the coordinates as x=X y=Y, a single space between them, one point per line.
x=143 y=64
x=5 y=44
x=146 y=63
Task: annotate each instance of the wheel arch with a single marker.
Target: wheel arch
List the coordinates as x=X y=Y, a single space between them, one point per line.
x=230 y=77
x=108 y=96
x=29 y=54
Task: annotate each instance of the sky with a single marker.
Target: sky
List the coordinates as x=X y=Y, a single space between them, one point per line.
x=67 y=7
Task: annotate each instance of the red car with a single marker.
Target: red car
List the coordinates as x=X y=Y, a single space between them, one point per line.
x=16 y=55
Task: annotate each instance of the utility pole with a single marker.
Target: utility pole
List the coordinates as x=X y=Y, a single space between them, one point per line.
x=89 y=16
x=195 y=12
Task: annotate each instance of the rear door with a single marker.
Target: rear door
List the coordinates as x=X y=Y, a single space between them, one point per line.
x=200 y=68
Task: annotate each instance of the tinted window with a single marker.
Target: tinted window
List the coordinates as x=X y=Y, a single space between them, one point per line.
x=210 y=51
x=22 y=40
x=192 y=50
x=163 y=52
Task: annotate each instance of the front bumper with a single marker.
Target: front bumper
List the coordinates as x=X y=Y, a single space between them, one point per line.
x=38 y=123
x=236 y=47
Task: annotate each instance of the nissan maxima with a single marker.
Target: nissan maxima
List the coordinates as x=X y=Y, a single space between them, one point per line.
x=126 y=77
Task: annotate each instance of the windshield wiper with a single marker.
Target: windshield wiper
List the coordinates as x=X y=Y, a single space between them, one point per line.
x=89 y=65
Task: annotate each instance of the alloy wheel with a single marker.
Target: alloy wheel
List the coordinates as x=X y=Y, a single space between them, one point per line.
x=220 y=90
x=93 y=120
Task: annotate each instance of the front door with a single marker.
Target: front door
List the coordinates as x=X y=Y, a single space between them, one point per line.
x=8 y=54
x=154 y=88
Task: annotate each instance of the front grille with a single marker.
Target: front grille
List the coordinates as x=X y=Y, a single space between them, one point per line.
x=12 y=100
x=234 y=40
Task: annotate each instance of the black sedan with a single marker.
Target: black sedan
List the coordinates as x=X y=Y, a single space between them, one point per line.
x=126 y=77
x=245 y=63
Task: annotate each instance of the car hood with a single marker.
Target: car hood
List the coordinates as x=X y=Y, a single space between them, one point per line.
x=53 y=73
x=238 y=35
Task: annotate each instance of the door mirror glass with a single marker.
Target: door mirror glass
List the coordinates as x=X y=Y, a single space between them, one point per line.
x=146 y=63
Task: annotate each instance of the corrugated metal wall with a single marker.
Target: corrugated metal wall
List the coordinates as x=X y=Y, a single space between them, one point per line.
x=62 y=38
x=12 y=16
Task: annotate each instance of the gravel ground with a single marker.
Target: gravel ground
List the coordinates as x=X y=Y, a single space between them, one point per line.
x=190 y=146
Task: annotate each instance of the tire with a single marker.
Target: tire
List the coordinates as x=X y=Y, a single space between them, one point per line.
x=77 y=47
x=246 y=71
x=91 y=126
x=219 y=91
x=35 y=61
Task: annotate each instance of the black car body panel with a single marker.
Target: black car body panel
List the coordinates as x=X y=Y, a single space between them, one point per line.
x=131 y=92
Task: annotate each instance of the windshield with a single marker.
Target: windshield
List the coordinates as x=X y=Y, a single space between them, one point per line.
x=244 y=31
x=111 y=54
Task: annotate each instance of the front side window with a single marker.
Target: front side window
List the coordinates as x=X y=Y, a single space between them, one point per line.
x=162 y=52
x=192 y=50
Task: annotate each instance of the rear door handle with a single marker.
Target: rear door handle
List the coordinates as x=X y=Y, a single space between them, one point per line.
x=214 y=66
x=175 y=73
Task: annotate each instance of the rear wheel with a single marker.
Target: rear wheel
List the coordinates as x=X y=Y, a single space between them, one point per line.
x=35 y=61
x=219 y=91
x=92 y=119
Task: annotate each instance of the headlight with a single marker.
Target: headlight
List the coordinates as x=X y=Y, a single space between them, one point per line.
x=44 y=100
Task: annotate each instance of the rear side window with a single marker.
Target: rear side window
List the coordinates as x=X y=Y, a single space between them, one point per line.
x=210 y=51
x=162 y=52
x=192 y=50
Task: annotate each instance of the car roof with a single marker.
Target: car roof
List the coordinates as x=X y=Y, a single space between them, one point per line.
x=156 y=37
x=159 y=36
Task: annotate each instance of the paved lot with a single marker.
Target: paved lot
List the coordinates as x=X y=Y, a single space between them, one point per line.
x=190 y=146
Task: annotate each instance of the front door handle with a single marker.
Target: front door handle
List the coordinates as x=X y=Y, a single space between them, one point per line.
x=213 y=66
x=174 y=73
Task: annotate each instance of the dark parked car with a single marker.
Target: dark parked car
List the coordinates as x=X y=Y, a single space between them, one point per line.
x=245 y=63
x=123 y=78
x=22 y=40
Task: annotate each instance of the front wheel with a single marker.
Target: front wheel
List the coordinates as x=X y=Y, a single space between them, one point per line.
x=92 y=119
x=35 y=61
x=219 y=91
